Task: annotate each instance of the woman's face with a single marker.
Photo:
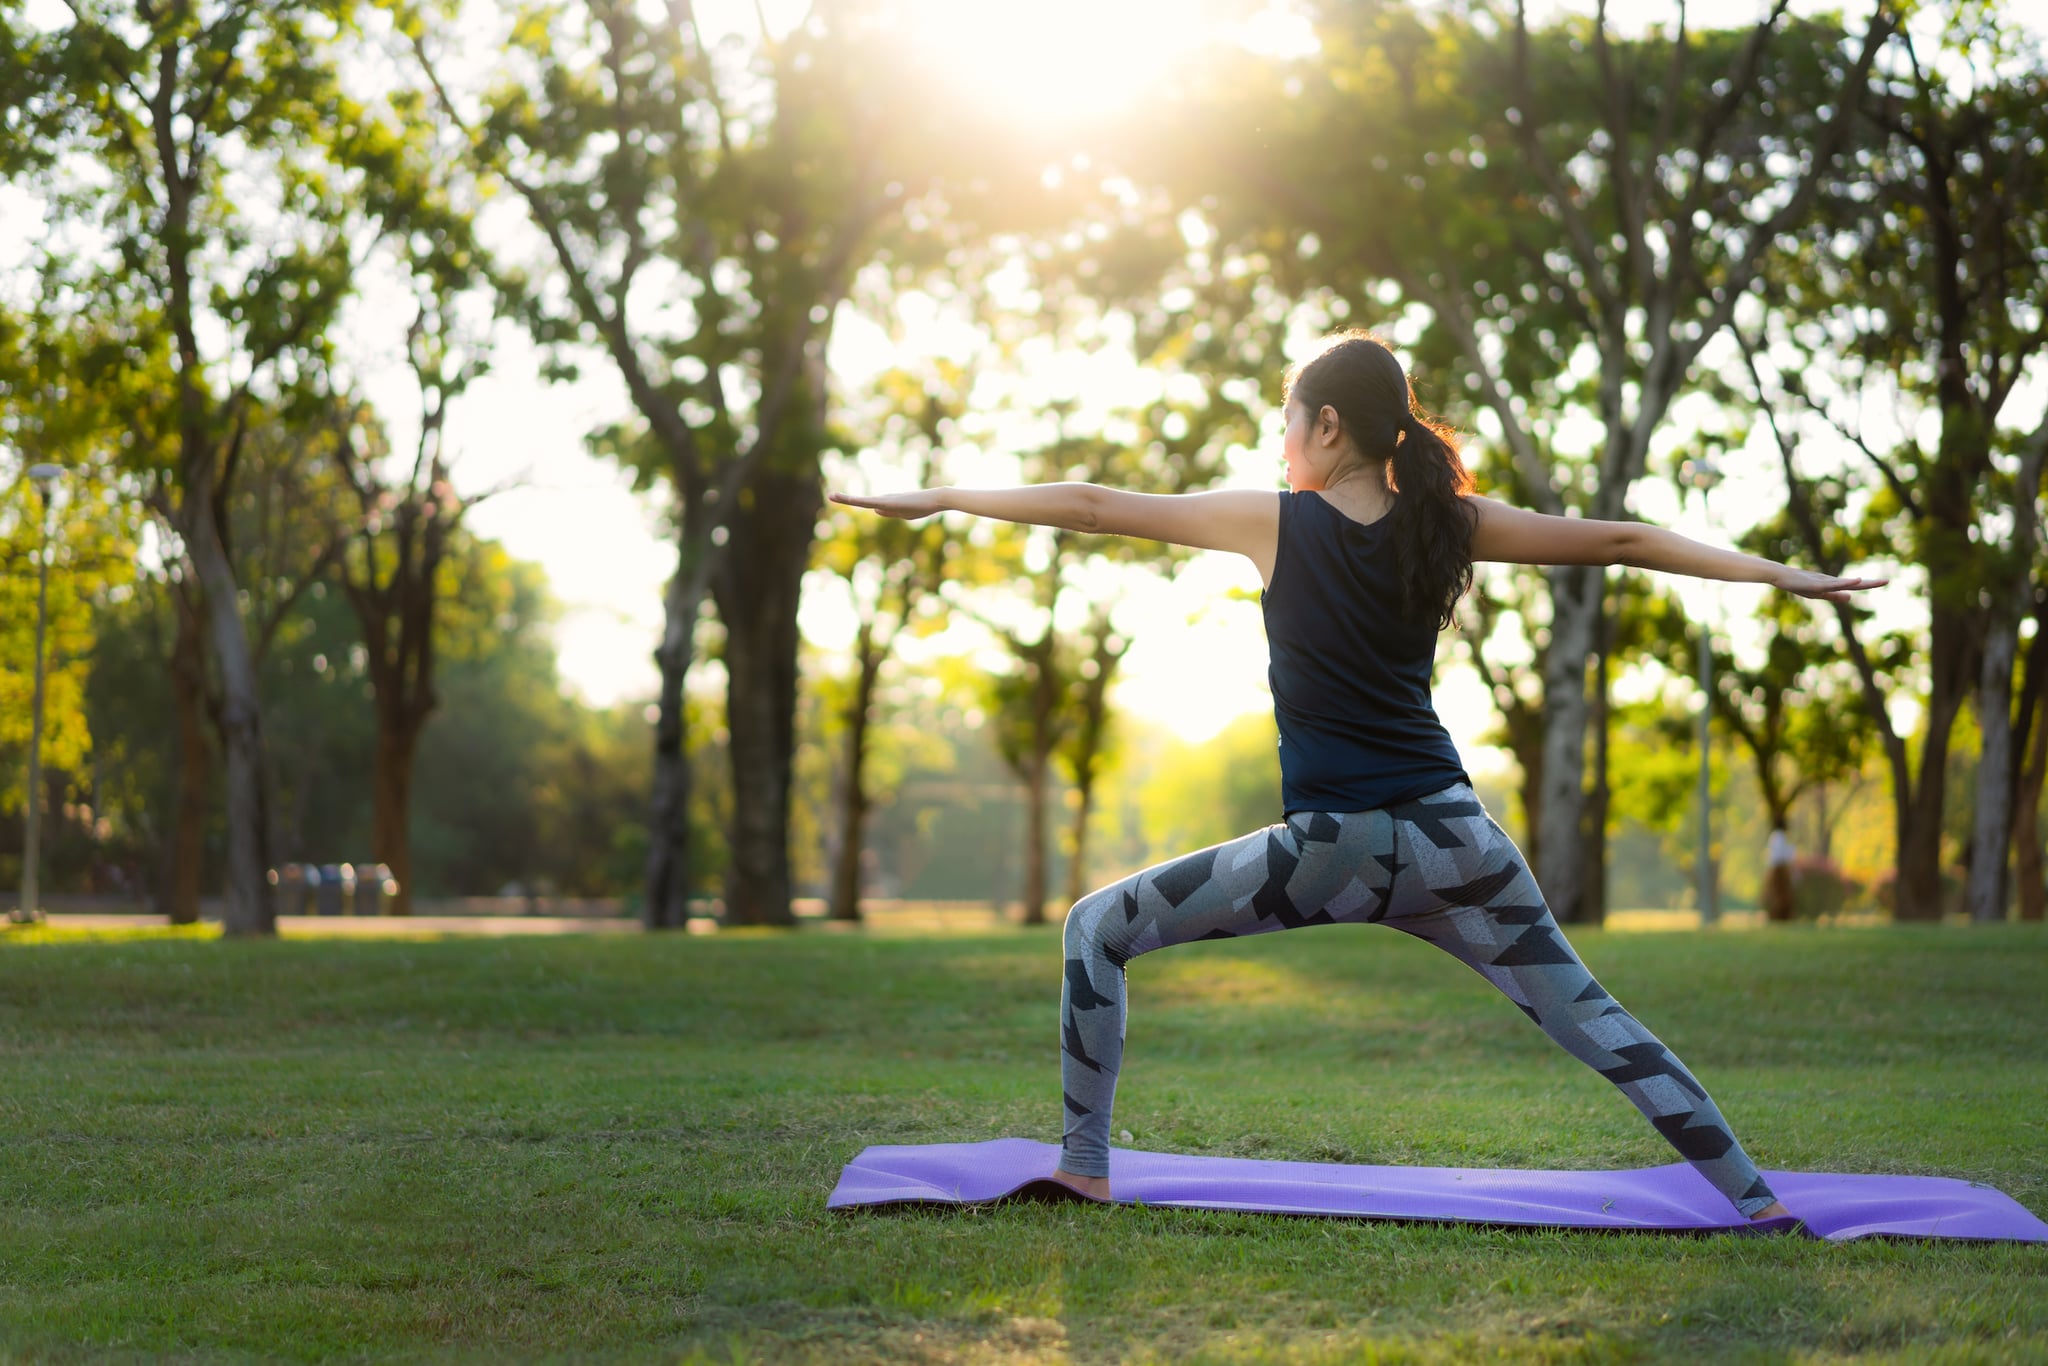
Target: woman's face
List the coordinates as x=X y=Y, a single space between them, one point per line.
x=1311 y=448
x=1293 y=444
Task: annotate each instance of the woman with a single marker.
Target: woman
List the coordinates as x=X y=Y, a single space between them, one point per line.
x=1363 y=560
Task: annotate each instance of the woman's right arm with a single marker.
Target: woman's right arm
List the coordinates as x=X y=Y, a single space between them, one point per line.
x=1241 y=520
x=1512 y=535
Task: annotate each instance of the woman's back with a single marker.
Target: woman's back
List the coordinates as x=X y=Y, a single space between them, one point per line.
x=1350 y=670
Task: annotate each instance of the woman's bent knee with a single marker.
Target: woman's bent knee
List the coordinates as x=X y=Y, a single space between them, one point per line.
x=1092 y=928
x=1077 y=937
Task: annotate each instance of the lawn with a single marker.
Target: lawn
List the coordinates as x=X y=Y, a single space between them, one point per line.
x=600 y=1148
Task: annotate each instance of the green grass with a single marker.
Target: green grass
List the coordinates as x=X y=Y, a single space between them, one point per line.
x=600 y=1148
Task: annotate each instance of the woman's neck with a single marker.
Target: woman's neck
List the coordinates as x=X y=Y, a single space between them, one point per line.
x=1360 y=490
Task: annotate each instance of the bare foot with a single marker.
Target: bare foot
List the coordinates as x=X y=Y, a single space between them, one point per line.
x=1775 y=1210
x=1094 y=1187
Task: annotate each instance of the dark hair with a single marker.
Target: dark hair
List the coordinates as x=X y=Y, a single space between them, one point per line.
x=1357 y=375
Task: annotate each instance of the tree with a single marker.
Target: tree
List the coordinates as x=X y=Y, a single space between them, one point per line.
x=1172 y=447
x=85 y=544
x=647 y=180
x=47 y=416
x=1793 y=707
x=68 y=376
x=393 y=572
x=1921 y=277
x=217 y=126
x=894 y=571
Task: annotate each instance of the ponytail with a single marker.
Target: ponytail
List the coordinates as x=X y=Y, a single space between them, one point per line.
x=1431 y=523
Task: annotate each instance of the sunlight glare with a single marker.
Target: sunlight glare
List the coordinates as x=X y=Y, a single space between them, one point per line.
x=1057 y=59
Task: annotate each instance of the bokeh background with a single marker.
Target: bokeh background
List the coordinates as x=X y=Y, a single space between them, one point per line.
x=445 y=396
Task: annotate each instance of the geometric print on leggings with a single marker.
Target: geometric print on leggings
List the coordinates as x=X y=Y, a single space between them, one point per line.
x=1439 y=869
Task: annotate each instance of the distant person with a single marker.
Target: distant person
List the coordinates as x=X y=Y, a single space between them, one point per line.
x=1779 y=856
x=1364 y=558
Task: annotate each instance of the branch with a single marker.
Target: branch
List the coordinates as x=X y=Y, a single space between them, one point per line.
x=1521 y=449
x=636 y=239
x=667 y=424
x=212 y=89
x=1900 y=487
x=79 y=20
x=2026 y=527
x=518 y=481
x=1717 y=122
x=1798 y=497
x=1574 y=222
x=1829 y=145
x=683 y=14
x=1533 y=254
x=1673 y=75
x=1800 y=502
x=258 y=360
x=1636 y=247
x=282 y=608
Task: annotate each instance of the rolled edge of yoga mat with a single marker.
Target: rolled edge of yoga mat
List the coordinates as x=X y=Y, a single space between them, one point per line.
x=1667 y=1199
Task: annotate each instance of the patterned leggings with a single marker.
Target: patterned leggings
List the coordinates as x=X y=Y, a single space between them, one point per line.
x=1437 y=868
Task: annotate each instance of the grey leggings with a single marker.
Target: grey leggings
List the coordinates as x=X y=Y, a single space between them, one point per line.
x=1437 y=868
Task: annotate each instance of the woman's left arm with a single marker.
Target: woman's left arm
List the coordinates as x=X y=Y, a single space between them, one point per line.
x=1513 y=535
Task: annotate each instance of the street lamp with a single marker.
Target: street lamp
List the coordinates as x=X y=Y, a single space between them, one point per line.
x=44 y=477
x=1703 y=474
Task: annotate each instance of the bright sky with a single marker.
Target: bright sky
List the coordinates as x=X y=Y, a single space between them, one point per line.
x=1198 y=658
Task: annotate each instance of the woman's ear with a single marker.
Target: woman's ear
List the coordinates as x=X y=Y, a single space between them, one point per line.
x=1328 y=425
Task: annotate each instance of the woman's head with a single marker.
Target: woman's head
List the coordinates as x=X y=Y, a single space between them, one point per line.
x=1350 y=407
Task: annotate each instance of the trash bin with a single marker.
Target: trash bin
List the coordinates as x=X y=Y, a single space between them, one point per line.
x=294 y=889
x=337 y=885
x=373 y=886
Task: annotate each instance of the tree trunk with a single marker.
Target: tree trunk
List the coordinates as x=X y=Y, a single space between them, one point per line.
x=1525 y=740
x=1575 y=612
x=248 y=908
x=1045 y=699
x=1991 y=822
x=185 y=856
x=1593 y=837
x=1037 y=770
x=391 y=803
x=668 y=821
x=2026 y=827
x=1077 y=868
x=853 y=809
x=1521 y=722
x=2031 y=736
x=757 y=585
x=1951 y=662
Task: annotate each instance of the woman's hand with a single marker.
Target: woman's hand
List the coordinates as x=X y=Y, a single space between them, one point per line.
x=1808 y=584
x=908 y=506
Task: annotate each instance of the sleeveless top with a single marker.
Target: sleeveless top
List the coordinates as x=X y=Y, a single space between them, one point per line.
x=1350 y=673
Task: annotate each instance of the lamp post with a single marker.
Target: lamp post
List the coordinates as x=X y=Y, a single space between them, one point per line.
x=44 y=477
x=1702 y=474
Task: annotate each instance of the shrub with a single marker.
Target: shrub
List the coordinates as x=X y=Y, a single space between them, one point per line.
x=1821 y=889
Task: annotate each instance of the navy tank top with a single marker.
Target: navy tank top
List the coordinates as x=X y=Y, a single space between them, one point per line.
x=1350 y=672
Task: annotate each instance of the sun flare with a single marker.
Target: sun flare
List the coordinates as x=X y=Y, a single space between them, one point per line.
x=1056 y=60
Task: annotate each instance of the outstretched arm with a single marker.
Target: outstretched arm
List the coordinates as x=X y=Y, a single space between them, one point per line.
x=1513 y=535
x=1240 y=520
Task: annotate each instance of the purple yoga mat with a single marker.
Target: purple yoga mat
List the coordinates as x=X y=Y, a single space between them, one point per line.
x=1673 y=1199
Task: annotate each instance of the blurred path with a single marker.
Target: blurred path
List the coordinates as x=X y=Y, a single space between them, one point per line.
x=379 y=926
